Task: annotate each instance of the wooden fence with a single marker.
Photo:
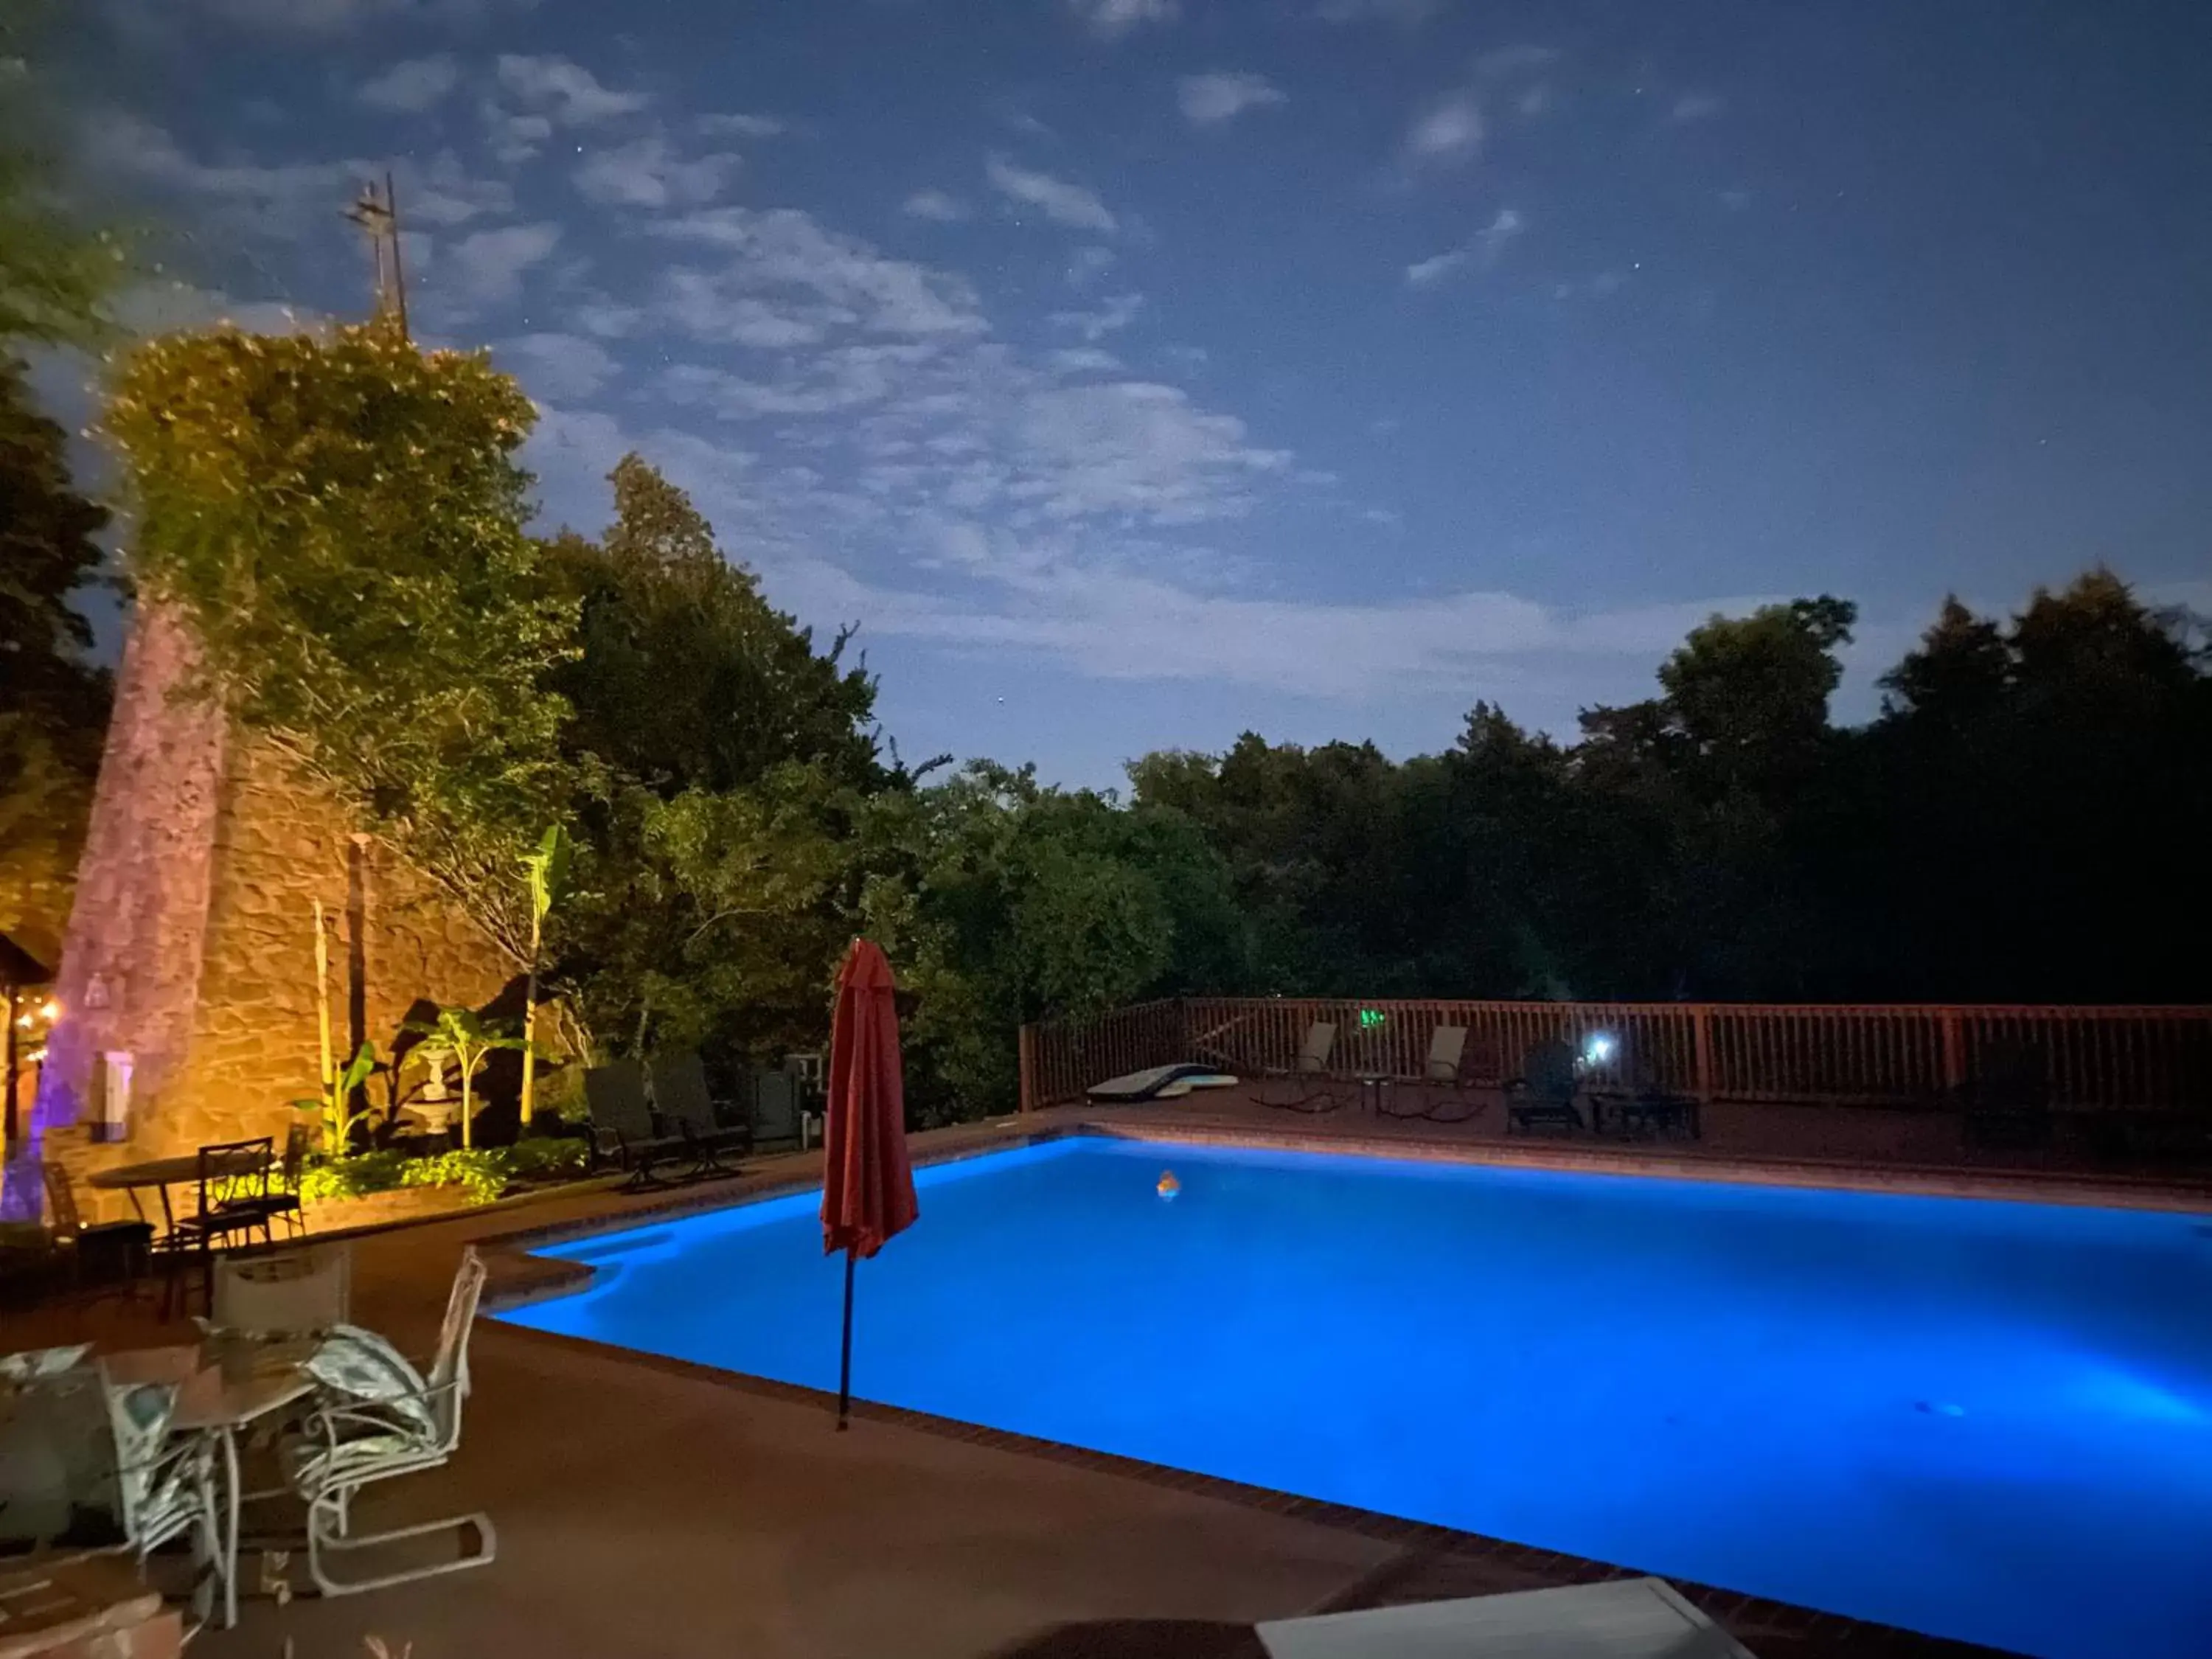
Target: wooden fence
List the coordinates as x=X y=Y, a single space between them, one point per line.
x=1821 y=1053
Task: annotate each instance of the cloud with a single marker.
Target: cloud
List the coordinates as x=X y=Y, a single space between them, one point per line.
x=1505 y=63
x=1601 y=286
x=1084 y=359
x=446 y=194
x=1695 y=107
x=295 y=198
x=487 y=267
x=334 y=16
x=741 y=126
x=1062 y=203
x=413 y=84
x=1427 y=273
x=782 y=252
x=564 y=93
x=1132 y=448
x=1486 y=246
x=1406 y=13
x=1448 y=133
x=1113 y=314
x=936 y=206
x=285 y=200
x=1134 y=624
x=644 y=173
x=558 y=366
x=1207 y=100
x=848 y=377
x=1109 y=20
x=1087 y=264
x=514 y=138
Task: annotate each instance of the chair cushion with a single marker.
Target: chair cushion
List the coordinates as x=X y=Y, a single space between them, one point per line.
x=363 y=1365
x=35 y=1363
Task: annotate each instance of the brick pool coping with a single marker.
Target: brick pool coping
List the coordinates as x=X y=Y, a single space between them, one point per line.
x=1434 y=1561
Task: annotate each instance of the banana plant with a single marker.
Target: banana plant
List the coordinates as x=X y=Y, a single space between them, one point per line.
x=470 y=1039
x=335 y=1107
x=548 y=870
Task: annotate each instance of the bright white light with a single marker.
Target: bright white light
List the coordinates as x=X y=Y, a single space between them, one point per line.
x=1598 y=1049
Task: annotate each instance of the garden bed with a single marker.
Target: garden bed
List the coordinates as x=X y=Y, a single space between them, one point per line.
x=376 y=1188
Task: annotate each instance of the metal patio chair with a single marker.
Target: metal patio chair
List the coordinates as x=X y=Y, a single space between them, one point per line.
x=1446 y=1071
x=379 y=1418
x=622 y=1123
x=679 y=1091
x=1309 y=1085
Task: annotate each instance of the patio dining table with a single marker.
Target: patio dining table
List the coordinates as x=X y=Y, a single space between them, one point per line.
x=218 y=1394
x=163 y=1173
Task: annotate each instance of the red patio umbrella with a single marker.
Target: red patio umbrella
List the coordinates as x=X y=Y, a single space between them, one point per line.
x=867 y=1185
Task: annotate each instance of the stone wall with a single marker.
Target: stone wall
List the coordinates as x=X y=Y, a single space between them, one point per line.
x=190 y=942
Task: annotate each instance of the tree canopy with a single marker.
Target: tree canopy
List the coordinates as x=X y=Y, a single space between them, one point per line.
x=341 y=517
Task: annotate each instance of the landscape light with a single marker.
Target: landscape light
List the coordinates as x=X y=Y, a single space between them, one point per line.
x=50 y=1010
x=1598 y=1047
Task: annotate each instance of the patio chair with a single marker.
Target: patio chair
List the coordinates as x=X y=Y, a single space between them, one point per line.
x=100 y=1249
x=380 y=1417
x=88 y=1458
x=234 y=1190
x=622 y=1123
x=1446 y=1069
x=2008 y=1103
x=1543 y=1096
x=1307 y=1077
x=679 y=1090
x=280 y=1198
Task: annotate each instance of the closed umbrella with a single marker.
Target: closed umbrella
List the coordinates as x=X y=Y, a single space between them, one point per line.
x=867 y=1185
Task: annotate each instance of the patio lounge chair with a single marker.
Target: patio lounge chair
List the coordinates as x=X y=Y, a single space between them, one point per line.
x=1306 y=1079
x=679 y=1090
x=379 y=1418
x=622 y=1123
x=1543 y=1096
x=1445 y=1070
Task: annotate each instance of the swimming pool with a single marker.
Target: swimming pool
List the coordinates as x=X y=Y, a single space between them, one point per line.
x=1985 y=1420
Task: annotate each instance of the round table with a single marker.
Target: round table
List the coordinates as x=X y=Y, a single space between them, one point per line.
x=163 y=1173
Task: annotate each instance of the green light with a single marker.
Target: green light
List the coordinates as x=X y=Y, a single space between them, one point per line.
x=1369 y=1018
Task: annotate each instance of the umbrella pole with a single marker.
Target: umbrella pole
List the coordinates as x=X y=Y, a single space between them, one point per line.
x=845 y=1362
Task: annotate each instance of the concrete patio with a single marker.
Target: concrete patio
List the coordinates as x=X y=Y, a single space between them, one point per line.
x=646 y=1507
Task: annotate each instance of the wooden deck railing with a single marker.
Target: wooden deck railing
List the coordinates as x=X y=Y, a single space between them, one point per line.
x=1820 y=1053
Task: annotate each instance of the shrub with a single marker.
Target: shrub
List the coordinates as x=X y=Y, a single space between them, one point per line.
x=352 y=1177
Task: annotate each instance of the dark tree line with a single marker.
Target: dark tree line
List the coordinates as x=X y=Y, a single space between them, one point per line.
x=2027 y=819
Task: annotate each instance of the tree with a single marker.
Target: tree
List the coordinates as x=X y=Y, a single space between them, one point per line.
x=687 y=678
x=55 y=271
x=1750 y=694
x=722 y=764
x=341 y=518
x=53 y=699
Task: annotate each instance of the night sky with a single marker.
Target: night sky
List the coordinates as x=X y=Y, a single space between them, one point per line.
x=1135 y=371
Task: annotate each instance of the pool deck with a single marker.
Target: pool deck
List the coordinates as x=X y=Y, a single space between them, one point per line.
x=648 y=1507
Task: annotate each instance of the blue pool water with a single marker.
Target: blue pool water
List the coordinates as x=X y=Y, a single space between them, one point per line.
x=1989 y=1421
